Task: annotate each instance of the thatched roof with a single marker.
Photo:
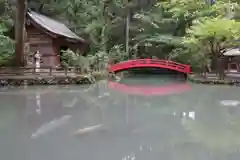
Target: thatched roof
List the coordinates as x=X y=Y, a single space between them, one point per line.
x=53 y=26
x=232 y=52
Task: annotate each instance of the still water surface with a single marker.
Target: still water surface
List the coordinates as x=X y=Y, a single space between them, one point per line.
x=138 y=118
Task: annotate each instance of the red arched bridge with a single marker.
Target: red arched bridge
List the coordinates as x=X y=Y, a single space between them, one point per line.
x=149 y=63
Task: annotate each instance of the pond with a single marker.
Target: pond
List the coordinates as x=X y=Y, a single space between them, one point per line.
x=137 y=118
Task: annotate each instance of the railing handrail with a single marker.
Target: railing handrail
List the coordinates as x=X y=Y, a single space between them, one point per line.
x=150 y=60
x=42 y=67
x=43 y=70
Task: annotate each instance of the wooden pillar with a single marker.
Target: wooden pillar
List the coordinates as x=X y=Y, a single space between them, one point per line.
x=19 y=32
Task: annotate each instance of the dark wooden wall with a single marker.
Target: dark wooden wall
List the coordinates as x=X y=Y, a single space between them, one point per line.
x=49 y=45
x=40 y=41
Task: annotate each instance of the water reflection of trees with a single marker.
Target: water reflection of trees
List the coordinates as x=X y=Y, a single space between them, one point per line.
x=9 y=114
x=217 y=127
x=150 y=119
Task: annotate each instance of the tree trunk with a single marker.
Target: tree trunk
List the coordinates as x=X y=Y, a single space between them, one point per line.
x=221 y=67
x=19 y=32
x=105 y=19
x=127 y=27
x=127 y=34
x=103 y=39
x=214 y=64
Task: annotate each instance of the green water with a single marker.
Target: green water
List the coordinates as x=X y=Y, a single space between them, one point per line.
x=195 y=124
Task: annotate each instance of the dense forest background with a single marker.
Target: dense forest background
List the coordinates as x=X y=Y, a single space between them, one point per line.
x=189 y=31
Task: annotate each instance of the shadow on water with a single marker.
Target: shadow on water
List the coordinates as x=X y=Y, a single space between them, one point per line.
x=153 y=71
x=151 y=85
x=157 y=72
x=141 y=117
x=151 y=82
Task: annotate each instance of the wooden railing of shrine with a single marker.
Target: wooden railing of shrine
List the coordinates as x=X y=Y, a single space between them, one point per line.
x=45 y=71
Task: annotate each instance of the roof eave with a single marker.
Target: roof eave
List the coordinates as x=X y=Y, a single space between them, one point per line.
x=52 y=34
x=75 y=40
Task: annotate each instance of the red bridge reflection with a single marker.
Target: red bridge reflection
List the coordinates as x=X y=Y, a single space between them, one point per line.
x=150 y=90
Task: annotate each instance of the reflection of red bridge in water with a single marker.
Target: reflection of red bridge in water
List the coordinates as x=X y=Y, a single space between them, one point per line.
x=149 y=63
x=150 y=90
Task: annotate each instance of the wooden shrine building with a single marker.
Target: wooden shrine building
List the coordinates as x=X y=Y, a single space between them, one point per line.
x=49 y=36
x=233 y=59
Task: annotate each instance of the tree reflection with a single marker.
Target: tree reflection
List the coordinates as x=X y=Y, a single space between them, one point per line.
x=216 y=126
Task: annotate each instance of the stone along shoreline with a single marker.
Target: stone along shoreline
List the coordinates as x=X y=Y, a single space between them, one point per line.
x=212 y=79
x=17 y=80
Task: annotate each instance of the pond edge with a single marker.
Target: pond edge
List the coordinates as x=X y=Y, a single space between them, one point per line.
x=52 y=80
x=195 y=78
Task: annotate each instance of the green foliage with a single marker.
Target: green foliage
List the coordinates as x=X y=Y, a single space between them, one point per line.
x=180 y=30
x=6 y=48
x=117 y=54
x=93 y=19
x=155 y=29
x=48 y=7
x=204 y=28
x=207 y=37
x=192 y=9
x=6 y=44
x=223 y=32
x=70 y=59
x=6 y=13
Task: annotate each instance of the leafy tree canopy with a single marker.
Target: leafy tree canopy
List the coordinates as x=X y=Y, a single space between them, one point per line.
x=213 y=34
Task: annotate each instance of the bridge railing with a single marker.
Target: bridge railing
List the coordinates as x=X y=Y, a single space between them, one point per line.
x=170 y=64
